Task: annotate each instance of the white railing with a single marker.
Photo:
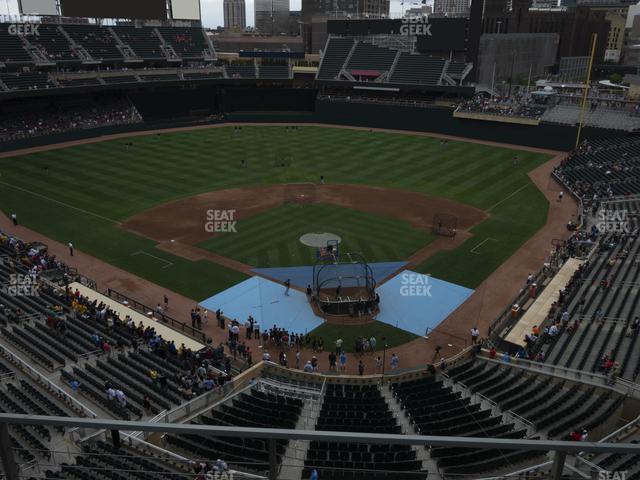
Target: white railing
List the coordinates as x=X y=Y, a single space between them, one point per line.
x=292 y=389
x=191 y=407
x=590 y=465
x=550 y=369
x=38 y=377
x=524 y=471
x=633 y=423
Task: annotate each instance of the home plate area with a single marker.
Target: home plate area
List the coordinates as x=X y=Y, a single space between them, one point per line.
x=411 y=301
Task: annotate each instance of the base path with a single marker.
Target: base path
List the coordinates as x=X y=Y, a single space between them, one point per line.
x=489 y=299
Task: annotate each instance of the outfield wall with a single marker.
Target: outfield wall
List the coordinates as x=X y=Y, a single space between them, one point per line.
x=175 y=107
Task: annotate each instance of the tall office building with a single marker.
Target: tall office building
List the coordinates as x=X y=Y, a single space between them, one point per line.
x=271 y=16
x=451 y=8
x=234 y=14
x=335 y=9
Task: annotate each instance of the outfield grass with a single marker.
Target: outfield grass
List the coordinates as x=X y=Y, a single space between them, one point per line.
x=81 y=193
x=272 y=238
x=511 y=224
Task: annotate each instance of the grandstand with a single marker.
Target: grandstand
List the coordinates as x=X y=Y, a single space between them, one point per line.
x=601 y=117
x=475 y=397
x=605 y=168
x=95 y=384
x=347 y=59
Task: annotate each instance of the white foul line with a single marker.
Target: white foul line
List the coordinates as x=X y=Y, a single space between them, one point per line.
x=59 y=202
x=140 y=252
x=481 y=243
x=509 y=196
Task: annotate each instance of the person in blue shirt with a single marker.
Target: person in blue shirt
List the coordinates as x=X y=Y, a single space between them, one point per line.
x=314 y=474
x=343 y=361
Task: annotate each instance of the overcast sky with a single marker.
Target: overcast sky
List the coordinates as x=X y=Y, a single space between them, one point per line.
x=212 y=9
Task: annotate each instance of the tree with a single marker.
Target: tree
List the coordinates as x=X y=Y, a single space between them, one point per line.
x=615 y=78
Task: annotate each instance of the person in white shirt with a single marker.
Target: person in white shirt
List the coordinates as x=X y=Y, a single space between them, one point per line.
x=475 y=333
x=122 y=399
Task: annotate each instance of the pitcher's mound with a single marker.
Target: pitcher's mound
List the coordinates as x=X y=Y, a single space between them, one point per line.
x=319 y=240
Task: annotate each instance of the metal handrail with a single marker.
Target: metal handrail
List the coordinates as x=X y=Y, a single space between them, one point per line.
x=28 y=369
x=634 y=422
x=163 y=317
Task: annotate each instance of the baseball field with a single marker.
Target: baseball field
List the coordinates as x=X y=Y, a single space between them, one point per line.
x=140 y=203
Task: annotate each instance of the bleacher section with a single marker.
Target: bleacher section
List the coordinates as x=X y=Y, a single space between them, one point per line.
x=368 y=57
x=252 y=408
x=606 y=167
x=335 y=54
x=11 y=47
x=603 y=307
x=274 y=71
x=237 y=70
x=79 y=82
x=120 y=79
x=160 y=77
x=437 y=410
x=553 y=406
x=619 y=462
x=97 y=460
x=366 y=61
x=26 y=81
x=456 y=69
x=418 y=69
x=188 y=43
x=20 y=396
x=355 y=408
x=202 y=76
x=98 y=41
x=143 y=40
x=601 y=117
x=53 y=44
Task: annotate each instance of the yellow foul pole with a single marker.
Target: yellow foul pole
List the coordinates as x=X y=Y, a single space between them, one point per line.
x=594 y=39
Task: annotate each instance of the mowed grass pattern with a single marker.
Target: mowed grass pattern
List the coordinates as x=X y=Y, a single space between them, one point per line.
x=273 y=238
x=81 y=193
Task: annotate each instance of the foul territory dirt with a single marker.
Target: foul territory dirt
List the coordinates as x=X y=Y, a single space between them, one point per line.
x=178 y=226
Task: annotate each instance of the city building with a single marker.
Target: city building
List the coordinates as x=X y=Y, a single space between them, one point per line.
x=343 y=8
x=271 y=17
x=515 y=57
x=234 y=14
x=574 y=25
x=615 y=38
x=451 y=8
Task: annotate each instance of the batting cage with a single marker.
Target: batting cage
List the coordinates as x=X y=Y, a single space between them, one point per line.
x=304 y=193
x=444 y=224
x=344 y=285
